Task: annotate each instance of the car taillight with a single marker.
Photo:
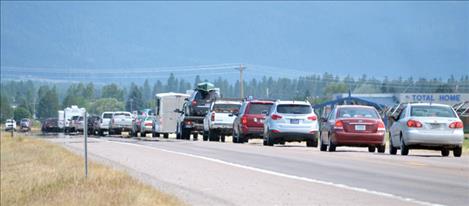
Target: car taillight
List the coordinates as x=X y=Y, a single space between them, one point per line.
x=194 y=102
x=312 y=118
x=381 y=126
x=456 y=125
x=275 y=131
x=244 y=120
x=148 y=124
x=213 y=116
x=414 y=123
x=188 y=122
x=275 y=117
x=339 y=124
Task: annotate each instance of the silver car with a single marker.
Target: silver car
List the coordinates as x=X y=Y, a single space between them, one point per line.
x=290 y=121
x=427 y=126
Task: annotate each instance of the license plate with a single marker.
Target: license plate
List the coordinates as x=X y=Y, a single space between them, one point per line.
x=360 y=127
x=294 y=121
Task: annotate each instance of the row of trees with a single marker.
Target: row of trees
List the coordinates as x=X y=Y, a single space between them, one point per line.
x=44 y=99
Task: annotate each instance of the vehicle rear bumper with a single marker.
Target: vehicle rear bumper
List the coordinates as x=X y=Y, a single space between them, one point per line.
x=418 y=138
x=292 y=136
x=358 y=139
x=221 y=126
x=253 y=132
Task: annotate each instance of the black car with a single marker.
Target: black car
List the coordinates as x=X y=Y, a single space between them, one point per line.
x=93 y=124
x=50 y=125
x=199 y=102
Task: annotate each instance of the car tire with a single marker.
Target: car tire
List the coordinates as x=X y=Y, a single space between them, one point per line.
x=101 y=133
x=143 y=134
x=195 y=137
x=205 y=136
x=165 y=135
x=222 y=138
x=457 y=152
x=212 y=135
x=444 y=152
x=381 y=148
x=392 y=149
x=267 y=141
x=404 y=148
x=371 y=149
x=312 y=143
x=322 y=146
x=332 y=146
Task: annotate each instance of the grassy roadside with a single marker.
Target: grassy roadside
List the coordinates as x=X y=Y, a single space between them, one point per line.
x=36 y=172
x=465 y=146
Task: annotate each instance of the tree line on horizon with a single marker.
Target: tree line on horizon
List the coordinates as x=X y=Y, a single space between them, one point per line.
x=22 y=99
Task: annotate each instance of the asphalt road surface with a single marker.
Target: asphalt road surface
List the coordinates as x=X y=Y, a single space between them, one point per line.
x=213 y=173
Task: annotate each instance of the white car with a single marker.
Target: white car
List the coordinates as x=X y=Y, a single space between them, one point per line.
x=427 y=126
x=219 y=120
x=105 y=122
x=290 y=121
x=10 y=124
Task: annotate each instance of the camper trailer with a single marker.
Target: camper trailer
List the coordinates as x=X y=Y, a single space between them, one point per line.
x=67 y=115
x=166 y=117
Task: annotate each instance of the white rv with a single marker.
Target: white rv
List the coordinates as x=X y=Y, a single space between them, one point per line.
x=67 y=115
x=166 y=117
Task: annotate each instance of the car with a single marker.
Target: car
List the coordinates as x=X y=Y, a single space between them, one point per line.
x=93 y=124
x=200 y=100
x=291 y=121
x=50 y=125
x=427 y=126
x=121 y=122
x=146 y=125
x=105 y=123
x=249 y=122
x=10 y=124
x=25 y=125
x=353 y=125
x=137 y=123
x=219 y=120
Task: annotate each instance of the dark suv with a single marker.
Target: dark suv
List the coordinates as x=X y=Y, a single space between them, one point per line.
x=199 y=102
x=249 y=123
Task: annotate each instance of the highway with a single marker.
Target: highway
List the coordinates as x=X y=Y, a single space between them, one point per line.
x=212 y=173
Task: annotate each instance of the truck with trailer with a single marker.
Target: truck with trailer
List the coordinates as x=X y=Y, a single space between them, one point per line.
x=194 y=110
x=165 y=115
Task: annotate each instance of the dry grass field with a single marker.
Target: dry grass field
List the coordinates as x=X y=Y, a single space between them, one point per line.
x=36 y=172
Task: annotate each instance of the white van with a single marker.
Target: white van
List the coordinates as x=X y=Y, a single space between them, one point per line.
x=166 y=117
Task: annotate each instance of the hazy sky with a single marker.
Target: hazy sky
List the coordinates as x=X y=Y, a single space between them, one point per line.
x=429 y=39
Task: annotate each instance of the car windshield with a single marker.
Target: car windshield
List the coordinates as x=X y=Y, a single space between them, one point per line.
x=258 y=108
x=226 y=108
x=357 y=113
x=294 y=109
x=9 y=121
x=107 y=116
x=431 y=111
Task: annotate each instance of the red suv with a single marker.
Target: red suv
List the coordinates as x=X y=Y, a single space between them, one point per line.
x=249 y=123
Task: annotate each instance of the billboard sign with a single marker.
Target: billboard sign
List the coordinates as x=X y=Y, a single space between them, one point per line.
x=443 y=98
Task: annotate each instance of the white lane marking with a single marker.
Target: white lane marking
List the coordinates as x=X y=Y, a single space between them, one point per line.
x=347 y=187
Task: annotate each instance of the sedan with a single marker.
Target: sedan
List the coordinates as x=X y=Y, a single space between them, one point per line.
x=427 y=126
x=353 y=125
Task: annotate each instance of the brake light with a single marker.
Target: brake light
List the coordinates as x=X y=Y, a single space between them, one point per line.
x=148 y=124
x=414 y=123
x=456 y=125
x=194 y=102
x=244 y=120
x=339 y=124
x=213 y=116
x=312 y=118
x=275 y=117
x=275 y=131
x=188 y=122
x=380 y=125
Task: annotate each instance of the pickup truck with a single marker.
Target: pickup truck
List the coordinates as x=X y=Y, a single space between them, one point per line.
x=121 y=122
x=105 y=123
x=10 y=124
x=219 y=120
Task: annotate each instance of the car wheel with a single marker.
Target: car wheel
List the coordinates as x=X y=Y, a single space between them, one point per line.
x=371 y=149
x=381 y=148
x=205 y=136
x=267 y=141
x=404 y=148
x=444 y=152
x=392 y=149
x=312 y=143
x=195 y=137
x=457 y=152
x=143 y=134
x=222 y=138
x=322 y=146
x=165 y=135
x=212 y=135
x=332 y=146
x=234 y=136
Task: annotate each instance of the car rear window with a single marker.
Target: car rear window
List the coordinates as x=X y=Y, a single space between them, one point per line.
x=357 y=113
x=107 y=116
x=258 y=108
x=122 y=114
x=294 y=109
x=226 y=108
x=431 y=111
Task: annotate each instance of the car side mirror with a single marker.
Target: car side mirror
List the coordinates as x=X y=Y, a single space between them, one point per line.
x=235 y=113
x=186 y=99
x=395 y=118
x=178 y=111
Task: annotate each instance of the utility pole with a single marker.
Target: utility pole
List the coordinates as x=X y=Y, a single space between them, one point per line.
x=241 y=81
